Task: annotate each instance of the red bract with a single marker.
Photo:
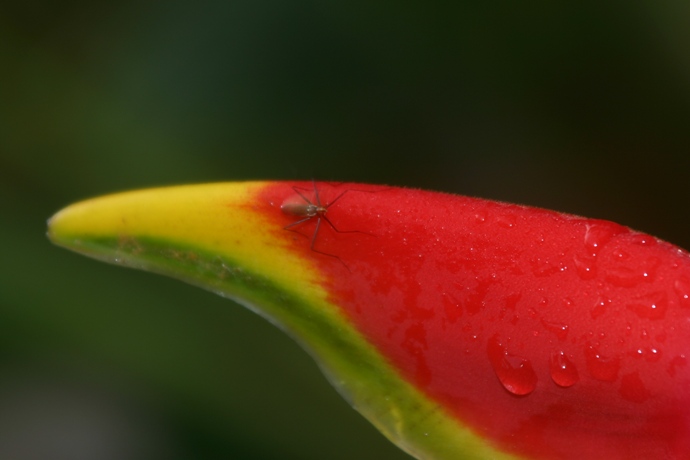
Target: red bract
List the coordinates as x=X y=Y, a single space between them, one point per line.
x=550 y=335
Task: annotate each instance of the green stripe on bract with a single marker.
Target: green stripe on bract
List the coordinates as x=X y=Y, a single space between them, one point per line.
x=360 y=373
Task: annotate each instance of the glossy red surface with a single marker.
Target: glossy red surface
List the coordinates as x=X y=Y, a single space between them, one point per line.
x=551 y=335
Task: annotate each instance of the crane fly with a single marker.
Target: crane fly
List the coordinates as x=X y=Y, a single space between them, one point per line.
x=302 y=206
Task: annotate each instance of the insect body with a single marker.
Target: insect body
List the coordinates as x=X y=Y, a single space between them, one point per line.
x=301 y=206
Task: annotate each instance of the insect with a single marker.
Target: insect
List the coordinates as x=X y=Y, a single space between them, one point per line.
x=301 y=206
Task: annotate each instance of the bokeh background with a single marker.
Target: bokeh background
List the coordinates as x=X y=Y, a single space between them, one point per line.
x=581 y=107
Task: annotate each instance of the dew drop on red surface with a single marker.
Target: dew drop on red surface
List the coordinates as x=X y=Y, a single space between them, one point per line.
x=651 y=306
x=506 y=220
x=563 y=371
x=600 y=233
x=625 y=277
x=643 y=240
x=480 y=217
x=600 y=307
x=451 y=307
x=682 y=288
x=584 y=267
x=628 y=276
x=652 y=354
x=514 y=372
x=600 y=367
x=559 y=329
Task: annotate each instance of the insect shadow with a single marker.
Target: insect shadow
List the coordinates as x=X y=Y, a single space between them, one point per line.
x=308 y=209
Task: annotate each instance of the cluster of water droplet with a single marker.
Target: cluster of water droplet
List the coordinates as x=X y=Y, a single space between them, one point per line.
x=517 y=374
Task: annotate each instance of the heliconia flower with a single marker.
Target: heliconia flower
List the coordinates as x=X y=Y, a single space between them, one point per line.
x=460 y=327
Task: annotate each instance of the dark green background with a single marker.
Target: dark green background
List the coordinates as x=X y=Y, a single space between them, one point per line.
x=583 y=108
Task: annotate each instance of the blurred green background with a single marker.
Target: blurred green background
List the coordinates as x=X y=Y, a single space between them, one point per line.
x=583 y=108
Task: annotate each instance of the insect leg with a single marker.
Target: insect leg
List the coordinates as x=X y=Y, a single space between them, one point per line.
x=304 y=197
x=336 y=199
x=294 y=224
x=316 y=193
x=343 y=231
x=313 y=243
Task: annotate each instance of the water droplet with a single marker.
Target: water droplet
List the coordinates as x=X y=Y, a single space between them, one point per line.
x=585 y=267
x=506 y=220
x=630 y=276
x=652 y=355
x=650 y=306
x=480 y=217
x=563 y=371
x=510 y=305
x=560 y=329
x=514 y=372
x=600 y=367
x=599 y=233
x=545 y=267
x=621 y=255
x=643 y=240
x=682 y=288
x=633 y=389
x=451 y=307
x=600 y=307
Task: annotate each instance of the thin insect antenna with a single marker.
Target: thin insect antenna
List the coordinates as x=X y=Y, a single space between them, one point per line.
x=316 y=193
x=316 y=232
